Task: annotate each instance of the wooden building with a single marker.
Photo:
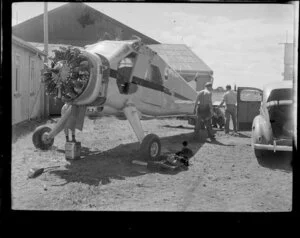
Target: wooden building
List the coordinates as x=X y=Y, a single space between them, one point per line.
x=182 y=59
x=27 y=88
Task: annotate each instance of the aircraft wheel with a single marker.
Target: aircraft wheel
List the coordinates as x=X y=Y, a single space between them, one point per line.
x=39 y=138
x=150 y=147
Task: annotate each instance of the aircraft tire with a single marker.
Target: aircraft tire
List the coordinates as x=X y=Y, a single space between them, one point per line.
x=150 y=147
x=37 y=138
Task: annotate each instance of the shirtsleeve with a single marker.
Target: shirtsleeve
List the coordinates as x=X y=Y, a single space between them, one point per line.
x=224 y=97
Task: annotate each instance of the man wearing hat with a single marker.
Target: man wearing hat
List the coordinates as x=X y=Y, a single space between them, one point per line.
x=230 y=99
x=204 y=109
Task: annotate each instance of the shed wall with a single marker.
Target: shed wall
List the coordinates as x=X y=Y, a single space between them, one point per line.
x=27 y=89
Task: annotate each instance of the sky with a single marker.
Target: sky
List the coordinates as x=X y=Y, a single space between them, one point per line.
x=239 y=42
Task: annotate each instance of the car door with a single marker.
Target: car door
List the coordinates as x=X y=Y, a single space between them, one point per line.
x=248 y=105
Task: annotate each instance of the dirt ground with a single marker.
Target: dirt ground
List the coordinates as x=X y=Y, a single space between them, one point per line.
x=223 y=175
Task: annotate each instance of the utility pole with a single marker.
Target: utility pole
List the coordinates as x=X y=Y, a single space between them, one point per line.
x=16 y=17
x=46 y=97
x=46 y=31
x=288 y=59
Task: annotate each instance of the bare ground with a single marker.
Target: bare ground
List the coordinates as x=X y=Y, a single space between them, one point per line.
x=223 y=176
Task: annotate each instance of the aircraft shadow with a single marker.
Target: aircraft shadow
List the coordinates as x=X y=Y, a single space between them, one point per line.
x=179 y=127
x=216 y=142
x=100 y=167
x=26 y=127
x=243 y=135
x=280 y=160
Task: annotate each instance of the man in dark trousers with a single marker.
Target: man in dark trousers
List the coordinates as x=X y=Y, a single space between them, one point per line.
x=204 y=109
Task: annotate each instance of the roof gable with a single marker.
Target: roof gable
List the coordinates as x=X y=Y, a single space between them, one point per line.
x=181 y=58
x=76 y=24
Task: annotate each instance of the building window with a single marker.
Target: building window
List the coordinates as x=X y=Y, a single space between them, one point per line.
x=17 y=72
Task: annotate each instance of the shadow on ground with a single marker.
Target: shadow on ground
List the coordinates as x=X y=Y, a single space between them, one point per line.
x=280 y=160
x=100 y=167
x=26 y=127
x=243 y=135
x=179 y=127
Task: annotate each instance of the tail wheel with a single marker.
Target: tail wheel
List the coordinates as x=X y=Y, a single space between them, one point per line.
x=40 y=138
x=150 y=147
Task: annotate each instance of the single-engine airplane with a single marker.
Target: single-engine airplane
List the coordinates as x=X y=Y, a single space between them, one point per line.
x=129 y=79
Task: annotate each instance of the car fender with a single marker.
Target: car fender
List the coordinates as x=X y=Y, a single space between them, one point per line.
x=261 y=131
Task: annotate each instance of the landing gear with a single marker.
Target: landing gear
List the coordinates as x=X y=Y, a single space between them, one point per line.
x=150 y=147
x=40 y=138
x=150 y=144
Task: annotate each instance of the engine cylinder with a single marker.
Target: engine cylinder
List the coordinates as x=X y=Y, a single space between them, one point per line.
x=74 y=76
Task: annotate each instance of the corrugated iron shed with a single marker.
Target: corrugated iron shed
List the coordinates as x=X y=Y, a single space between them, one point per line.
x=76 y=24
x=181 y=58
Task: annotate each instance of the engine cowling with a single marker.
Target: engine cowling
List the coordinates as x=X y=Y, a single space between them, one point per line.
x=75 y=76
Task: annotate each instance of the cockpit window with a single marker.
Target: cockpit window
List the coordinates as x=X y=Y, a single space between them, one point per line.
x=153 y=75
x=126 y=62
x=124 y=72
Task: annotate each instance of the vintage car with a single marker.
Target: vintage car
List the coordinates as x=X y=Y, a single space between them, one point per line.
x=273 y=128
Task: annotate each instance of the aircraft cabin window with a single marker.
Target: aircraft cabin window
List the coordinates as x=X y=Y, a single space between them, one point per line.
x=155 y=75
x=124 y=72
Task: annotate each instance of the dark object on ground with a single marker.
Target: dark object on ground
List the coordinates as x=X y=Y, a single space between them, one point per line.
x=35 y=172
x=169 y=162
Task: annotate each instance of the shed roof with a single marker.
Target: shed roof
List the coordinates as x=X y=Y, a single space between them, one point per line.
x=27 y=45
x=181 y=58
x=52 y=47
x=76 y=24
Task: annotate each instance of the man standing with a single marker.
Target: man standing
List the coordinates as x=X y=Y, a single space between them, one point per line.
x=204 y=109
x=230 y=99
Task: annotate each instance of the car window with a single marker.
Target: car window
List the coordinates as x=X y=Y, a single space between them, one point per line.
x=281 y=94
x=250 y=95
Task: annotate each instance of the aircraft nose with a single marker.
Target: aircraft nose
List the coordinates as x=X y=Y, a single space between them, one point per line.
x=69 y=76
